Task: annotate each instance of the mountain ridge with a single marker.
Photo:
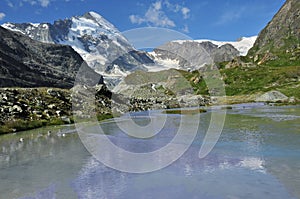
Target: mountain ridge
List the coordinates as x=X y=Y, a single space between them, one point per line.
x=194 y=54
x=99 y=43
x=107 y=52
x=28 y=63
x=279 y=42
x=243 y=44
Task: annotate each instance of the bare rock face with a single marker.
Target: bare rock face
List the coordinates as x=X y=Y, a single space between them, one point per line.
x=194 y=55
x=280 y=39
x=28 y=63
x=98 y=42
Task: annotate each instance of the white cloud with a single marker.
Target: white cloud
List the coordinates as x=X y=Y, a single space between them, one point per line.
x=176 y=8
x=136 y=19
x=172 y=7
x=230 y=16
x=31 y=2
x=185 y=12
x=154 y=16
x=10 y=4
x=2 y=15
x=43 y=3
x=157 y=5
x=186 y=29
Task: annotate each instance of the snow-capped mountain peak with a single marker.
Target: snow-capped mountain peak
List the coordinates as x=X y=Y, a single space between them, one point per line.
x=35 y=31
x=106 y=51
x=91 y=23
x=101 y=21
x=99 y=42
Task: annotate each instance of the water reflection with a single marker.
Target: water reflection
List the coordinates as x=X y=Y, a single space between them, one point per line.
x=256 y=157
x=24 y=147
x=29 y=167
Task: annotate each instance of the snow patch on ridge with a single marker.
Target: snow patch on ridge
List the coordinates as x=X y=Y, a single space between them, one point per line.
x=243 y=45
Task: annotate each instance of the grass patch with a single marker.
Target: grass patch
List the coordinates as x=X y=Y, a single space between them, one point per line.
x=23 y=125
x=199 y=87
x=286 y=55
x=185 y=111
x=244 y=81
x=226 y=108
x=106 y=116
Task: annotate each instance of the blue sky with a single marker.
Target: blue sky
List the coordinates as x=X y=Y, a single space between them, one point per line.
x=199 y=19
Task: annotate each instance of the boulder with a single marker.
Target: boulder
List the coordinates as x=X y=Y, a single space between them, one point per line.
x=192 y=100
x=272 y=96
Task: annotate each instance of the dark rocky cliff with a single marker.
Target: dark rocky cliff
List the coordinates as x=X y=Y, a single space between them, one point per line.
x=28 y=63
x=98 y=42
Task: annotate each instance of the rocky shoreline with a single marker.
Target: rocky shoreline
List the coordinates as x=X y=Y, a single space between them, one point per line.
x=29 y=108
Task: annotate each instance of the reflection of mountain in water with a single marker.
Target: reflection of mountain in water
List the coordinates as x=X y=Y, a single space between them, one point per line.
x=253 y=158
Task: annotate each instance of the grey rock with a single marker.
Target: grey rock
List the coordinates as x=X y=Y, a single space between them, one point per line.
x=193 y=55
x=272 y=96
x=193 y=100
x=51 y=106
x=292 y=100
x=28 y=63
x=65 y=119
x=17 y=108
x=159 y=85
x=102 y=40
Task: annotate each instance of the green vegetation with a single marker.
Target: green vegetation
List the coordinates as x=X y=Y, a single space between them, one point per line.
x=177 y=83
x=226 y=108
x=287 y=53
x=22 y=125
x=106 y=116
x=240 y=81
x=185 y=111
x=196 y=81
x=243 y=81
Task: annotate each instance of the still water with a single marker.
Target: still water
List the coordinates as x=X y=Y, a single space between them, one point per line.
x=257 y=156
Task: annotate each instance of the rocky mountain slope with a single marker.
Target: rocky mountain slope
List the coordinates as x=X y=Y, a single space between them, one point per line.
x=279 y=42
x=159 y=90
x=242 y=44
x=193 y=54
x=28 y=63
x=105 y=50
x=99 y=43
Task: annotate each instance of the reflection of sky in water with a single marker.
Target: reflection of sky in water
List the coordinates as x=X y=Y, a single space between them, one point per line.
x=255 y=157
x=275 y=113
x=48 y=193
x=213 y=178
